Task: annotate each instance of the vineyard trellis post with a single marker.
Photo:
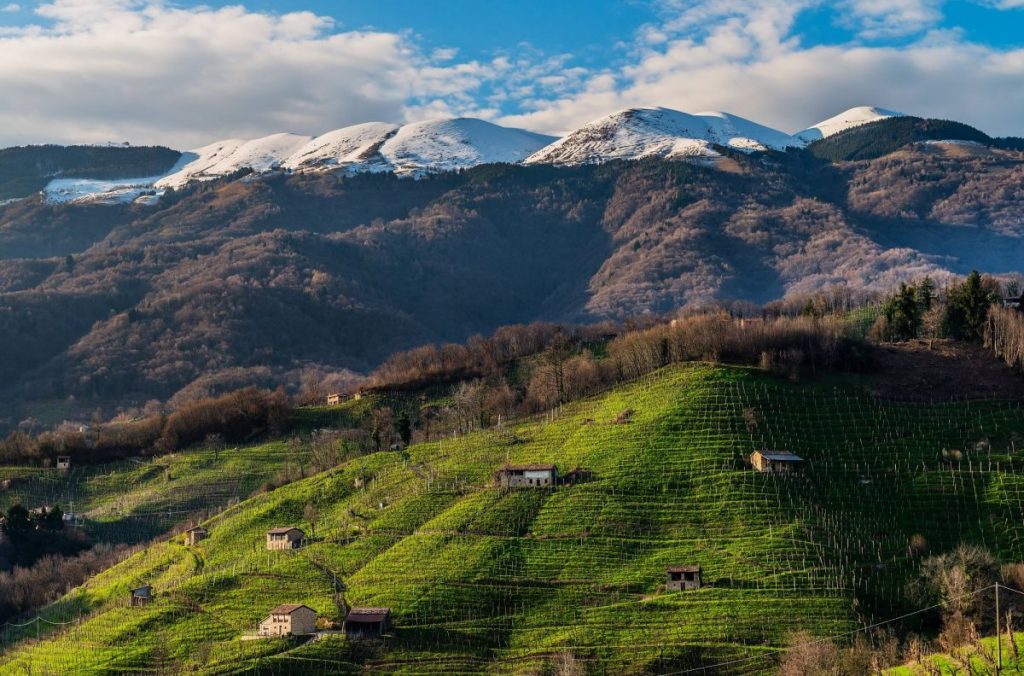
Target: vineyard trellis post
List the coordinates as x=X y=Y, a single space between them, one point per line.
x=999 y=636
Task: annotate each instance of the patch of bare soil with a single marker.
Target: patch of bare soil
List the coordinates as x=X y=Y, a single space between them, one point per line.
x=949 y=370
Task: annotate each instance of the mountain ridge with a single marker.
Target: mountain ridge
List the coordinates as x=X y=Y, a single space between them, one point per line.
x=418 y=148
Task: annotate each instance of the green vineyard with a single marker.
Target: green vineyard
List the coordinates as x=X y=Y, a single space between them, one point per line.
x=481 y=579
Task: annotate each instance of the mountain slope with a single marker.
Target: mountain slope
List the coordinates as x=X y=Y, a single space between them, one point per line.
x=25 y=171
x=436 y=145
x=274 y=279
x=484 y=580
x=848 y=119
x=658 y=132
x=457 y=144
x=227 y=157
x=356 y=145
x=876 y=139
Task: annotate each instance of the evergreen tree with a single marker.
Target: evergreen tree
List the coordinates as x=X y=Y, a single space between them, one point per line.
x=404 y=426
x=925 y=294
x=16 y=520
x=903 y=314
x=969 y=303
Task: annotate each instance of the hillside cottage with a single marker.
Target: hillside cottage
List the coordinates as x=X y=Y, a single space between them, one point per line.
x=528 y=476
x=367 y=622
x=142 y=596
x=284 y=538
x=775 y=462
x=195 y=534
x=334 y=399
x=289 y=619
x=682 y=578
x=63 y=462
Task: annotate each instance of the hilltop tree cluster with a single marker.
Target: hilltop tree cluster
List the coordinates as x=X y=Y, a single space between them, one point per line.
x=527 y=369
x=234 y=417
x=959 y=311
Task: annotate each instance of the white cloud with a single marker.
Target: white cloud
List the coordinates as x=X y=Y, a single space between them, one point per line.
x=888 y=18
x=11 y=8
x=744 y=58
x=99 y=70
x=153 y=72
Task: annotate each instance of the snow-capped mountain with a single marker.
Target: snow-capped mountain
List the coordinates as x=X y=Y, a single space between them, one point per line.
x=411 y=150
x=659 y=132
x=854 y=117
x=226 y=157
x=442 y=145
x=457 y=144
x=417 y=148
x=346 y=147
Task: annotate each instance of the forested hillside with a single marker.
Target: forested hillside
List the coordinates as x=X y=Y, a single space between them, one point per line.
x=281 y=279
x=27 y=169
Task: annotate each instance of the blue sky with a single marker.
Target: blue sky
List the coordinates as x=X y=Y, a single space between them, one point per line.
x=185 y=73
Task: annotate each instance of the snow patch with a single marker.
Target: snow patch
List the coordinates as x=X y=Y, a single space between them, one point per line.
x=954 y=142
x=854 y=117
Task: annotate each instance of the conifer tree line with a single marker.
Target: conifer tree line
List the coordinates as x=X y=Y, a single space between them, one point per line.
x=922 y=310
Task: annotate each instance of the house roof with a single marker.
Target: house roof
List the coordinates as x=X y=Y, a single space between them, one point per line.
x=529 y=468
x=368 y=615
x=282 y=531
x=683 y=569
x=289 y=608
x=780 y=456
x=144 y=588
x=195 y=528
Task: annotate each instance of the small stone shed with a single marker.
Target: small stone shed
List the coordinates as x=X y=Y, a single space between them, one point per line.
x=682 y=578
x=527 y=476
x=142 y=596
x=288 y=537
x=195 y=534
x=775 y=462
x=367 y=622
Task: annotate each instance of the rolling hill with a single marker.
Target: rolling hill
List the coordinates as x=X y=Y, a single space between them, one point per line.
x=482 y=580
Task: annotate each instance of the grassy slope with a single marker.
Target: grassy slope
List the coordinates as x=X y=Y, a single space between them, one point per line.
x=481 y=579
x=980 y=663
x=136 y=500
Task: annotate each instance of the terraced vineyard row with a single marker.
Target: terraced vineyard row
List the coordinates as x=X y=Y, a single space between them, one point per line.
x=484 y=579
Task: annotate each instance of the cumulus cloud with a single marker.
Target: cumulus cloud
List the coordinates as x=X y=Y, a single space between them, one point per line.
x=150 y=71
x=744 y=57
x=11 y=8
x=111 y=70
x=887 y=18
